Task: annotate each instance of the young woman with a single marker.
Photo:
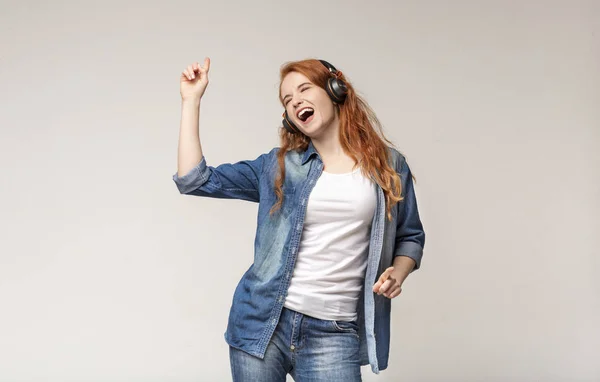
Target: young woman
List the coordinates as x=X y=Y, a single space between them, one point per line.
x=338 y=230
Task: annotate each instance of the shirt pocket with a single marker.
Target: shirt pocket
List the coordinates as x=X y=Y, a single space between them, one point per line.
x=289 y=199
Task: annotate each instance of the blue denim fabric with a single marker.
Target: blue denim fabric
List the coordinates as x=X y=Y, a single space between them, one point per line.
x=259 y=297
x=307 y=348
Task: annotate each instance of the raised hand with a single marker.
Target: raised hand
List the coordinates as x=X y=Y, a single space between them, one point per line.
x=194 y=80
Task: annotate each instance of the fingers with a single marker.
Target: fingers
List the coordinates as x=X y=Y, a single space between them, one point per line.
x=203 y=70
x=395 y=293
x=383 y=278
x=378 y=285
x=190 y=72
x=390 y=289
x=388 y=284
x=387 y=273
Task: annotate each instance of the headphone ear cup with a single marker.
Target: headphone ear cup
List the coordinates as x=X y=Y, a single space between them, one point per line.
x=337 y=90
x=289 y=125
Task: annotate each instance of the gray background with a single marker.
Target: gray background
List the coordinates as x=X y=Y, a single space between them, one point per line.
x=108 y=274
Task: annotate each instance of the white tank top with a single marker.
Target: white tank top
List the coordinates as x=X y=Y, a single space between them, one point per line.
x=332 y=256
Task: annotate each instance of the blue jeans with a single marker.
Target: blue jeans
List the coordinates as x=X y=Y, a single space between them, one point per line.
x=307 y=348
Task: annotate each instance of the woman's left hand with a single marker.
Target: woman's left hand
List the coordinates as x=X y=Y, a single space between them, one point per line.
x=389 y=284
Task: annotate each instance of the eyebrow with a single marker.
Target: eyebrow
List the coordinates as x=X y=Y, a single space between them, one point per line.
x=297 y=87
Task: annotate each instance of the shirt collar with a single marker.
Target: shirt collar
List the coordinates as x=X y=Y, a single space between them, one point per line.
x=309 y=152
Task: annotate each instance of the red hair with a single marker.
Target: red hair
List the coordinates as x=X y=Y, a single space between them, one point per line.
x=361 y=135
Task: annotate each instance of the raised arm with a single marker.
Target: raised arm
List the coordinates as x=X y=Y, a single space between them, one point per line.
x=193 y=83
x=194 y=177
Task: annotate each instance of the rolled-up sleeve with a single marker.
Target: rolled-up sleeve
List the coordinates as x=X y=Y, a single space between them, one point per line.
x=194 y=179
x=240 y=180
x=410 y=236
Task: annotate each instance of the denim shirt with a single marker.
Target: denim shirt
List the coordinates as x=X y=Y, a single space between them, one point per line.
x=259 y=297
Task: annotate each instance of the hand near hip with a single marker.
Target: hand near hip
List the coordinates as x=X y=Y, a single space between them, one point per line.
x=389 y=284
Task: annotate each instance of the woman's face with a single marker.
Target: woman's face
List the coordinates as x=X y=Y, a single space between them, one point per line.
x=308 y=105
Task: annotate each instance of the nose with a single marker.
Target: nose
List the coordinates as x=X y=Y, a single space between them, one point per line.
x=296 y=101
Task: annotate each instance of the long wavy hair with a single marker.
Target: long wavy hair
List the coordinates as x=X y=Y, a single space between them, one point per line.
x=361 y=135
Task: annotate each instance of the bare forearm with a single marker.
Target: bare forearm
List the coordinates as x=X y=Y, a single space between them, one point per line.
x=403 y=265
x=189 y=151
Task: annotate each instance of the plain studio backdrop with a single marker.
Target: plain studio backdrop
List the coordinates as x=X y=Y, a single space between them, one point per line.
x=107 y=273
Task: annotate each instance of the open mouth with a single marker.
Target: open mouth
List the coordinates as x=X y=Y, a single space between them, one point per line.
x=306 y=115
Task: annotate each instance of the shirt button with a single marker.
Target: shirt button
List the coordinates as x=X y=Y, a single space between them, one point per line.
x=303 y=201
x=274 y=321
x=280 y=298
x=292 y=347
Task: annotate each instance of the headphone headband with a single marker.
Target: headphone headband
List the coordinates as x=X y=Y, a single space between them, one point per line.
x=331 y=68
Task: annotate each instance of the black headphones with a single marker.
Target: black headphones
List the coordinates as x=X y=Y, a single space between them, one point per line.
x=335 y=88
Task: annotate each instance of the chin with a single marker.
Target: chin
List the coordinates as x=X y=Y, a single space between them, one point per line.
x=313 y=131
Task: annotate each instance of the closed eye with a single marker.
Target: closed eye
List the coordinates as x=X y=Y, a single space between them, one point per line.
x=302 y=89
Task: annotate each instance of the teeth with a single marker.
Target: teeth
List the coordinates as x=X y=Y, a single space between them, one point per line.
x=304 y=111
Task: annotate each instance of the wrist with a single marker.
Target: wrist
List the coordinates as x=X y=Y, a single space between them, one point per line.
x=403 y=266
x=191 y=101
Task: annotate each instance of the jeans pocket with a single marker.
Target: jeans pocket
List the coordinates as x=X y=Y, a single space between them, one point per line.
x=345 y=326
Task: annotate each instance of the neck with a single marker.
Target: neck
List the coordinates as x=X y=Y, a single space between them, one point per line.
x=328 y=144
